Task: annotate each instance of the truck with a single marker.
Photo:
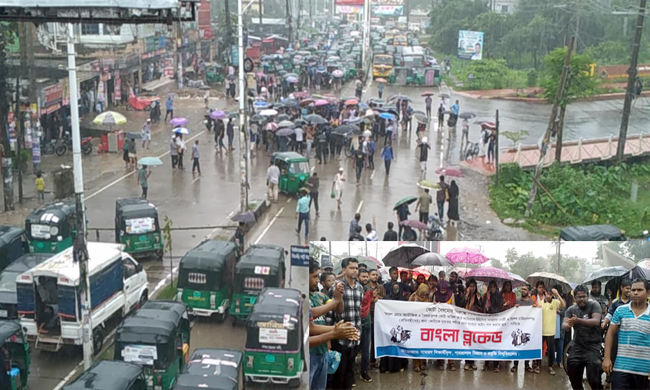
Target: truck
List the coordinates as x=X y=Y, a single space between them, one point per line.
x=50 y=296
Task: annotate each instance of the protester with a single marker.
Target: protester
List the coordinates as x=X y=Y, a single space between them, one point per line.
x=472 y=301
x=272 y=180
x=596 y=295
x=549 y=311
x=420 y=295
x=394 y=291
x=327 y=279
x=371 y=232
x=366 y=323
x=494 y=303
x=424 y=200
x=356 y=236
x=313 y=183
x=584 y=317
x=509 y=297
x=524 y=300
x=354 y=223
x=432 y=283
x=302 y=211
x=625 y=292
x=344 y=377
x=379 y=292
x=390 y=234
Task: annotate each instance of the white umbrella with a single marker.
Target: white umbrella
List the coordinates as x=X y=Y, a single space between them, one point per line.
x=181 y=130
x=268 y=112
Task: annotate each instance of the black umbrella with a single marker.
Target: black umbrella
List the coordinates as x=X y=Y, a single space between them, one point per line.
x=403 y=255
x=299 y=122
x=444 y=95
x=257 y=118
x=347 y=129
x=399 y=97
x=290 y=103
x=317 y=119
x=467 y=115
x=283 y=117
x=605 y=274
x=133 y=136
x=246 y=217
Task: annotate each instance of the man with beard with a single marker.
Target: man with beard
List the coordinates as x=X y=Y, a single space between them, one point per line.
x=320 y=305
x=623 y=299
x=379 y=292
x=366 y=323
x=584 y=317
x=353 y=293
x=525 y=300
x=597 y=296
x=633 y=363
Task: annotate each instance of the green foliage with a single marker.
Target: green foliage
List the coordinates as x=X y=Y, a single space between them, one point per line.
x=589 y=194
x=488 y=74
x=636 y=250
x=580 y=83
x=515 y=136
x=531 y=78
x=21 y=161
x=315 y=250
x=572 y=268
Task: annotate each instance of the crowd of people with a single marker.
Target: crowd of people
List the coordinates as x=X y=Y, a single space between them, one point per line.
x=580 y=316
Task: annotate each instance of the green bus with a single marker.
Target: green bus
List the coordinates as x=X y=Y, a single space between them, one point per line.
x=205 y=278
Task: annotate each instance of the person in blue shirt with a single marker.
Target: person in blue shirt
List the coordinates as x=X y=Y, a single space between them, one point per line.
x=380 y=89
x=169 y=106
x=302 y=211
x=371 y=153
x=387 y=155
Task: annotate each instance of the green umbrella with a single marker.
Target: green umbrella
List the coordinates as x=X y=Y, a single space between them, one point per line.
x=407 y=200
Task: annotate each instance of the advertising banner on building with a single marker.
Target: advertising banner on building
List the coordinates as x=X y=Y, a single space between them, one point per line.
x=349 y=2
x=470 y=45
x=388 y=10
x=387 y=2
x=349 y=9
x=420 y=330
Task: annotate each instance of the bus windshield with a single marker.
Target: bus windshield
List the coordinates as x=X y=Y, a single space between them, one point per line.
x=383 y=60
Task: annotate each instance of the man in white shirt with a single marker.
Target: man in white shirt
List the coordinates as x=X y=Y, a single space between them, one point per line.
x=371 y=231
x=299 y=139
x=272 y=180
x=337 y=186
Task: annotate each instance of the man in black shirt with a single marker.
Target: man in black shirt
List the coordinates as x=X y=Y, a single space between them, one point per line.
x=357 y=235
x=584 y=317
x=360 y=160
x=390 y=235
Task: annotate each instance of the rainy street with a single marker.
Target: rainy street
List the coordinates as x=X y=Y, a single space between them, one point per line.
x=212 y=198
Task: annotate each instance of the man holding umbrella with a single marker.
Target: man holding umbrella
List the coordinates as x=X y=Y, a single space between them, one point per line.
x=143 y=180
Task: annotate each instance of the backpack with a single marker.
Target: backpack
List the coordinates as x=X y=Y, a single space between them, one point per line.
x=486 y=136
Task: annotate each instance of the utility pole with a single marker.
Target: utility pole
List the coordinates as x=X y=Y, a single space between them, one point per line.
x=244 y=149
x=310 y=10
x=179 y=54
x=36 y=142
x=7 y=178
x=558 y=254
x=80 y=249
x=549 y=129
x=261 y=23
x=19 y=119
x=496 y=152
x=631 y=80
x=226 y=5
x=288 y=22
x=559 y=135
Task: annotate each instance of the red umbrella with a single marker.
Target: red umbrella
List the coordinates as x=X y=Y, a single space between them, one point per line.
x=306 y=102
x=449 y=171
x=427 y=93
x=414 y=224
x=416 y=271
x=301 y=95
x=489 y=125
x=351 y=102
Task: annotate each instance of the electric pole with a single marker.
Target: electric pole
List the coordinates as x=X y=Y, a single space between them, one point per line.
x=631 y=80
x=226 y=5
x=261 y=23
x=559 y=136
x=36 y=142
x=244 y=149
x=288 y=22
x=80 y=249
x=549 y=129
x=7 y=175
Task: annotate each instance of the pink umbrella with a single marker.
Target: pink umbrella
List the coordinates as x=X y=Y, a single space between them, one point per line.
x=414 y=224
x=351 y=102
x=271 y=126
x=449 y=171
x=460 y=271
x=467 y=256
x=301 y=95
x=321 y=102
x=485 y=274
x=218 y=114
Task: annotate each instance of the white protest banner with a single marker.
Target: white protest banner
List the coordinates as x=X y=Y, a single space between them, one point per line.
x=420 y=330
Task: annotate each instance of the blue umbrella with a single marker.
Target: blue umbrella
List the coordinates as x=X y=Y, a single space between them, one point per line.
x=150 y=161
x=260 y=104
x=181 y=130
x=386 y=115
x=284 y=132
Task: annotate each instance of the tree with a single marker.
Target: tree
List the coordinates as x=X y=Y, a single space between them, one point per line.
x=316 y=250
x=580 y=82
x=636 y=250
x=496 y=263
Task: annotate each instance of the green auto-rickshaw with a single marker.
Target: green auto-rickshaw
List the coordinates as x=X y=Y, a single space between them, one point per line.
x=205 y=278
x=51 y=228
x=261 y=266
x=156 y=337
x=212 y=369
x=14 y=342
x=294 y=171
x=12 y=245
x=137 y=227
x=273 y=351
x=110 y=375
x=214 y=73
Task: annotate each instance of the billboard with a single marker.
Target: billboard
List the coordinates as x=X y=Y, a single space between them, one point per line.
x=349 y=9
x=387 y=2
x=470 y=45
x=388 y=10
x=349 y=2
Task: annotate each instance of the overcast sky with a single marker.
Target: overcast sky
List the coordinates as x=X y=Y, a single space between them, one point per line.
x=492 y=249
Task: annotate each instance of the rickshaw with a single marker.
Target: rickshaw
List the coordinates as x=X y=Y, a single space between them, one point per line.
x=260 y=266
x=110 y=374
x=156 y=337
x=205 y=278
x=13 y=340
x=413 y=77
x=137 y=227
x=51 y=228
x=214 y=73
x=273 y=352
x=294 y=171
x=12 y=245
x=592 y=233
x=213 y=369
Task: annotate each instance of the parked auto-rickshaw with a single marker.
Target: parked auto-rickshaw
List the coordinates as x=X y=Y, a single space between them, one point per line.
x=156 y=337
x=8 y=288
x=261 y=266
x=213 y=369
x=137 y=227
x=273 y=351
x=14 y=342
x=214 y=73
x=413 y=77
x=592 y=233
x=294 y=171
x=205 y=278
x=110 y=375
x=51 y=228
x=12 y=245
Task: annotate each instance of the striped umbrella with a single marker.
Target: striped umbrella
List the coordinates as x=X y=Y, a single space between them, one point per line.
x=110 y=118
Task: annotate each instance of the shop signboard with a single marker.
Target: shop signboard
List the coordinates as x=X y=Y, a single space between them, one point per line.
x=388 y=10
x=235 y=55
x=349 y=9
x=350 y=2
x=52 y=94
x=387 y=2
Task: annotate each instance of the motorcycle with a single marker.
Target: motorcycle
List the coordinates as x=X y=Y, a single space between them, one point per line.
x=48 y=148
x=66 y=143
x=435 y=231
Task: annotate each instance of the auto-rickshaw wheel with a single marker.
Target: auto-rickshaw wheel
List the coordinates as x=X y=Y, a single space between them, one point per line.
x=98 y=341
x=295 y=382
x=159 y=254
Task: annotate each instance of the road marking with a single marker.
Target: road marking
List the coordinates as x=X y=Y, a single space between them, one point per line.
x=163 y=282
x=373 y=174
x=197 y=178
x=359 y=208
x=268 y=227
x=313 y=167
x=289 y=200
x=99 y=191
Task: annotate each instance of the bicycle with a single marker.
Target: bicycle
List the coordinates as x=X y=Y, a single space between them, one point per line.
x=471 y=151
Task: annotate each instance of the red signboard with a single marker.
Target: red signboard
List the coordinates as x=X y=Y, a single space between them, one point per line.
x=205 y=29
x=53 y=94
x=349 y=2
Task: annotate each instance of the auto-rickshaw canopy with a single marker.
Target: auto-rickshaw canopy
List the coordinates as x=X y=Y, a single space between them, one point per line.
x=135 y=208
x=155 y=322
x=51 y=221
x=592 y=233
x=269 y=256
x=210 y=255
x=11 y=245
x=107 y=375
x=8 y=328
x=217 y=369
x=276 y=308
